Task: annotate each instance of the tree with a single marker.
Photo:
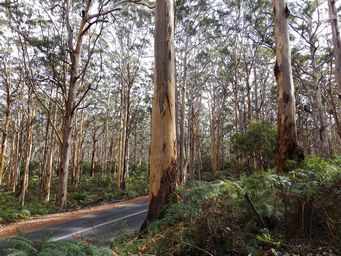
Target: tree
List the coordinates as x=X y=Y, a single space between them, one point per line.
x=163 y=162
x=337 y=50
x=310 y=28
x=287 y=144
x=10 y=89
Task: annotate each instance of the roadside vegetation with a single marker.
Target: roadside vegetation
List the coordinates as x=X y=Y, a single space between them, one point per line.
x=227 y=113
x=20 y=246
x=90 y=191
x=262 y=214
x=259 y=214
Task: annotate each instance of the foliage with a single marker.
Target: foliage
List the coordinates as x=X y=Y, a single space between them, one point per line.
x=137 y=183
x=252 y=216
x=258 y=141
x=90 y=191
x=23 y=246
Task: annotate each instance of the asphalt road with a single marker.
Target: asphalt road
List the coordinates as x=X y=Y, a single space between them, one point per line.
x=100 y=228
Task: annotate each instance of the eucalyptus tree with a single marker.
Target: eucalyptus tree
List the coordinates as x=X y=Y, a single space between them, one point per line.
x=130 y=38
x=163 y=161
x=193 y=18
x=79 y=82
x=22 y=26
x=310 y=26
x=337 y=51
x=11 y=82
x=287 y=144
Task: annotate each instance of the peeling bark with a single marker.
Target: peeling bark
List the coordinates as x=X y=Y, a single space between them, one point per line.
x=287 y=144
x=163 y=162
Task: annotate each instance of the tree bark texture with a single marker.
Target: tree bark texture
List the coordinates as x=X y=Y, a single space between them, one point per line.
x=163 y=162
x=287 y=144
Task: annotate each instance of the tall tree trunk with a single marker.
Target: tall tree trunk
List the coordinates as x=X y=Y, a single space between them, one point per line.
x=121 y=167
x=287 y=144
x=93 y=151
x=49 y=169
x=182 y=149
x=79 y=159
x=106 y=139
x=15 y=157
x=5 y=126
x=75 y=152
x=192 y=142
x=28 y=151
x=333 y=107
x=337 y=48
x=321 y=118
x=163 y=162
x=65 y=150
x=321 y=113
x=65 y=147
x=4 y=141
x=214 y=143
x=49 y=155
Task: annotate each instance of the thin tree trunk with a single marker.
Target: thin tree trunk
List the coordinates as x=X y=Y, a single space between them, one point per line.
x=106 y=138
x=214 y=143
x=15 y=155
x=192 y=143
x=28 y=151
x=337 y=49
x=48 y=163
x=123 y=139
x=79 y=160
x=182 y=149
x=4 y=141
x=75 y=152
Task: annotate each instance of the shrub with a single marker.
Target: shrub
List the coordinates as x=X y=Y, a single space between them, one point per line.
x=259 y=141
x=137 y=183
x=252 y=216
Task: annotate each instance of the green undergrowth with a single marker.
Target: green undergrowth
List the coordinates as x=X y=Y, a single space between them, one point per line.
x=20 y=246
x=90 y=191
x=262 y=214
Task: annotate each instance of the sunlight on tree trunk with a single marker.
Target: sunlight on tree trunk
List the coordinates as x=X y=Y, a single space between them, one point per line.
x=287 y=145
x=163 y=167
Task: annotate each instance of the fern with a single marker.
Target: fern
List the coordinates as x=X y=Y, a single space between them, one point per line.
x=64 y=248
x=18 y=253
x=19 y=245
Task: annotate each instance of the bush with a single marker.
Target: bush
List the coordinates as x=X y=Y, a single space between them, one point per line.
x=137 y=183
x=252 y=216
x=259 y=141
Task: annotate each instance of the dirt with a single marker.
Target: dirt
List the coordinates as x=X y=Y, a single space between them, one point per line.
x=36 y=223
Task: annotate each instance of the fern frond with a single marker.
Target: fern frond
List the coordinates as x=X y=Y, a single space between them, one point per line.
x=72 y=248
x=18 y=253
x=19 y=244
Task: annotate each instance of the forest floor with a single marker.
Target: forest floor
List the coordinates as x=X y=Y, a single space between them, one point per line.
x=39 y=222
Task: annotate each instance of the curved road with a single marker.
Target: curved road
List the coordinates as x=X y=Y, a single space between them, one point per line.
x=100 y=227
